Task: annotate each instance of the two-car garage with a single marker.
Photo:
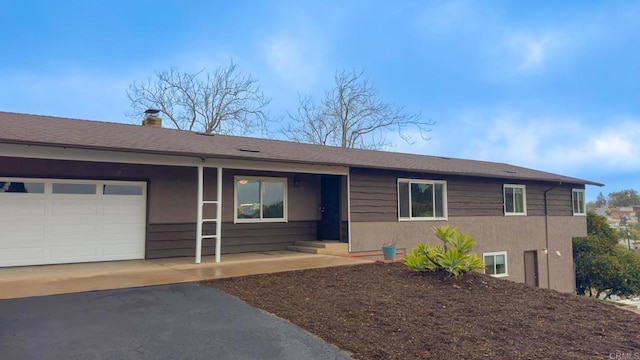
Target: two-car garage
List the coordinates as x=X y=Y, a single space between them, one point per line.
x=55 y=221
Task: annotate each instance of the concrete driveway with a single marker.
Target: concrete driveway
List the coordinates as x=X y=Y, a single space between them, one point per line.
x=181 y=321
x=25 y=281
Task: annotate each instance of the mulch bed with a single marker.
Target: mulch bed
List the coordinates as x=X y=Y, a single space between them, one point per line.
x=383 y=311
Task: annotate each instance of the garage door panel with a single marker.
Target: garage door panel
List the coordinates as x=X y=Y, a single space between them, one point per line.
x=120 y=249
x=127 y=206
x=119 y=229
x=73 y=252
x=54 y=228
x=21 y=234
x=17 y=256
x=15 y=208
x=71 y=230
x=83 y=208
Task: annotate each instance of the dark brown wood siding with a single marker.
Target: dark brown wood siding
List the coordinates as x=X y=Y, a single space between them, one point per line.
x=474 y=197
x=374 y=195
x=169 y=240
x=560 y=200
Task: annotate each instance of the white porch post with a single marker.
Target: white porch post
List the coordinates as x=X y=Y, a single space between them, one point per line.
x=199 y=214
x=219 y=214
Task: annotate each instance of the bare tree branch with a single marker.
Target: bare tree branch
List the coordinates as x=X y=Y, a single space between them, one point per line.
x=351 y=115
x=224 y=102
x=311 y=125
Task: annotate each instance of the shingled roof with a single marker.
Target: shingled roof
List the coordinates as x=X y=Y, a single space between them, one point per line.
x=83 y=134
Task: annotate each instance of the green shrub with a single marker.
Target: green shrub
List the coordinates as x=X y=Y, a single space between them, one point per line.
x=453 y=255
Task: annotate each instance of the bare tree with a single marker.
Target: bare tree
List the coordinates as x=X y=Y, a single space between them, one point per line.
x=351 y=115
x=312 y=126
x=224 y=102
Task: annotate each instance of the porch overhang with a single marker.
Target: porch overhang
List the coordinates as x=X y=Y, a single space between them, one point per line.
x=51 y=152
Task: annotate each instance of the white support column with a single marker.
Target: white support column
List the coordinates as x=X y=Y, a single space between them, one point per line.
x=199 y=214
x=219 y=214
x=349 y=207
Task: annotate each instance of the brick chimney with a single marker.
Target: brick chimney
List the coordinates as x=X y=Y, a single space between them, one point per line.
x=151 y=118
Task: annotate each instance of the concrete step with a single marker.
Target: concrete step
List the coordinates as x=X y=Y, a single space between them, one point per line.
x=321 y=247
x=304 y=249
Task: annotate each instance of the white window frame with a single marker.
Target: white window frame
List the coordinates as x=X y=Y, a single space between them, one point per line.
x=284 y=181
x=429 y=182
x=44 y=183
x=524 y=199
x=48 y=186
x=506 y=262
x=573 y=199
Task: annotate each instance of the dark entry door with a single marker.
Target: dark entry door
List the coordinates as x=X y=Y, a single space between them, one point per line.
x=531 y=267
x=329 y=227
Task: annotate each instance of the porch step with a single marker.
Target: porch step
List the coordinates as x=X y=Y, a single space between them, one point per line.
x=320 y=247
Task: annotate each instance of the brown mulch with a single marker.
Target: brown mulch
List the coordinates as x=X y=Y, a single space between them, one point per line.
x=383 y=311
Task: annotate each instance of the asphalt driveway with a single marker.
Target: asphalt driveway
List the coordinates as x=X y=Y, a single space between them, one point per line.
x=183 y=321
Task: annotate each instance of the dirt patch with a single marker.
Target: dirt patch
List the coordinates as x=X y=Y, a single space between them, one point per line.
x=383 y=311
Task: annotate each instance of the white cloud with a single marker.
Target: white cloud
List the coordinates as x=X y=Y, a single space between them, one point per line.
x=607 y=152
x=497 y=42
x=533 y=52
x=618 y=143
x=557 y=144
x=297 y=61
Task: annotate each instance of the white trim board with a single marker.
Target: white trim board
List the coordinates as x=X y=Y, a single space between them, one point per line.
x=62 y=153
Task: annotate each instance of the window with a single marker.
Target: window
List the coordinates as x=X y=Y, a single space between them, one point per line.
x=515 y=200
x=21 y=187
x=111 y=189
x=64 y=188
x=495 y=263
x=422 y=199
x=578 y=202
x=260 y=199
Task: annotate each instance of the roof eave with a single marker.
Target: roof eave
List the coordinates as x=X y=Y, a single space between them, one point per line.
x=225 y=156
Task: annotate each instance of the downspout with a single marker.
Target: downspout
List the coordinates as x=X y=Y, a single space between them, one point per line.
x=546 y=230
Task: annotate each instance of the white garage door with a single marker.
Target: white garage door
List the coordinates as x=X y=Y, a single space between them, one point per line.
x=53 y=221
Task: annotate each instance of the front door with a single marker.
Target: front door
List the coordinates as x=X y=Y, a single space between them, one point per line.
x=329 y=227
x=531 y=267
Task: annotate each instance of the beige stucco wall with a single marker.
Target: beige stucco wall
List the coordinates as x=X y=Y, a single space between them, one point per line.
x=492 y=233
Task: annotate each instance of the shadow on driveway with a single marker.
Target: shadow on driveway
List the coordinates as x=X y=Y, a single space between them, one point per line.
x=183 y=321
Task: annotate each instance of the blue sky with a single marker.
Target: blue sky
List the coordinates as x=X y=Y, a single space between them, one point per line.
x=553 y=86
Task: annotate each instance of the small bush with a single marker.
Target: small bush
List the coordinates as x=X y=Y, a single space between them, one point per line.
x=453 y=255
